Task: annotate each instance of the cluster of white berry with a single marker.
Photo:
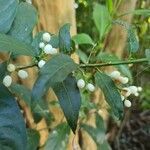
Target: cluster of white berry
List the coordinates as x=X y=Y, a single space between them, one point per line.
x=116 y=75
x=89 y=86
x=7 y=80
x=126 y=91
x=47 y=48
x=29 y=1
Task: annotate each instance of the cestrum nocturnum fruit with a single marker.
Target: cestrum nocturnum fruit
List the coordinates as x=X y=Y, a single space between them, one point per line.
x=127 y=103
x=123 y=80
x=48 y=49
x=114 y=74
x=117 y=76
x=41 y=63
x=11 y=67
x=7 y=80
x=90 y=87
x=22 y=74
x=81 y=83
x=46 y=37
x=41 y=45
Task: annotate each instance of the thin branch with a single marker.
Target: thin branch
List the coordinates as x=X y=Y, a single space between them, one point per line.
x=142 y=60
x=26 y=67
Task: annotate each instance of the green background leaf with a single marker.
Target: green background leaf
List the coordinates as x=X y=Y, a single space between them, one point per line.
x=82 y=38
x=58 y=138
x=98 y=133
x=33 y=139
x=12 y=126
x=101 y=18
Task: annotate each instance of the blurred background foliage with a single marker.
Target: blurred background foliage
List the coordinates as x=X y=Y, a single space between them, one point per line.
x=141 y=26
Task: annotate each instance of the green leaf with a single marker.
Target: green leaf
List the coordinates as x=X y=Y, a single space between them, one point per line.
x=33 y=139
x=143 y=12
x=56 y=70
x=106 y=57
x=69 y=98
x=98 y=133
x=82 y=56
x=58 y=67
x=101 y=18
x=9 y=44
x=21 y=91
x=82 y=39
x=147 y=54
x=3 y=70
x=25 y=20
x=12 y=126
x=65 y=39
x=111 y=93
x=7 y=14
x=133 y=44
x=40 y=110
x=58 y=139
x=110 y=5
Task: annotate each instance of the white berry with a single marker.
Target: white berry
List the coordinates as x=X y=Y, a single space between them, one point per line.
x=41 y=45
x=139 y=89
x=7 y=80
x=81 y=83
x=133 y=89
x=136 y=94
x=46 y=37
x=48 y=49
x=90 y=87
x=22 y=74
x=122 y=97
x=11 y=67
x=123 y=80
x=41 y=63
x=115 y=75
x=127 y=103
x=29 y=1
x=53 y=51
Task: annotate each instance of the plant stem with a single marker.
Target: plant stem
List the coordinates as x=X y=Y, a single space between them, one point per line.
x=26 y=67
x=115 y=63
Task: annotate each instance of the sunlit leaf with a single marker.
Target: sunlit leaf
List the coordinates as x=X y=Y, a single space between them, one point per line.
x=101 y=18
x=82 y=38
